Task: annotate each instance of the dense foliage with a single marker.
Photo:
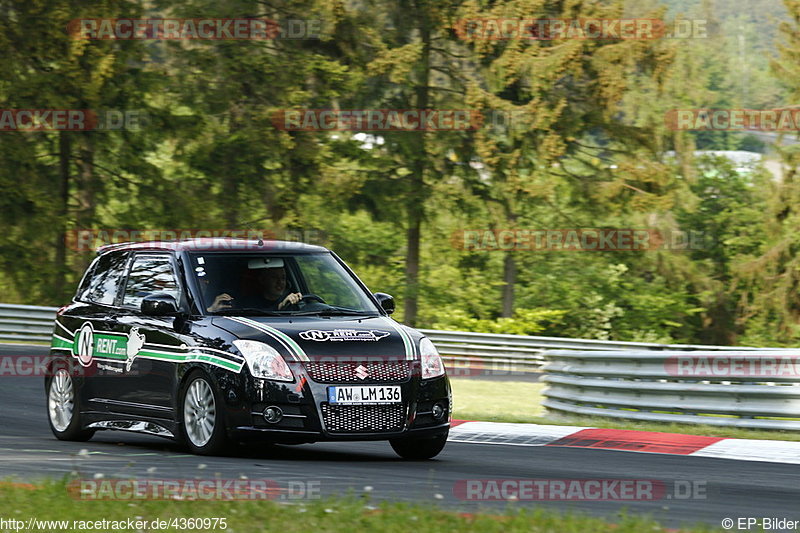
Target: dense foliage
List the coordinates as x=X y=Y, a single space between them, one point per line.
x=574 y=137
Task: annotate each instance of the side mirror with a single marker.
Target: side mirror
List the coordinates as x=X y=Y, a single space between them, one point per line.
x=386 y=301
x=159 y=304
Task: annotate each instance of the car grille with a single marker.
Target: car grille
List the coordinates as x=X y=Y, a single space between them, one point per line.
x=363 y=418
x=374 y=372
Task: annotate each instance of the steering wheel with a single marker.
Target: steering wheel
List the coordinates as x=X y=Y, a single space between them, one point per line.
x=312 y=297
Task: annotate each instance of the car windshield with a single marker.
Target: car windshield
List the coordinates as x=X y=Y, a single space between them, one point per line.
x=278 y=285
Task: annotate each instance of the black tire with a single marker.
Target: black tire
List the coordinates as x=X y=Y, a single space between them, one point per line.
x=194 y=431
x=419 y=449
x=63 y=407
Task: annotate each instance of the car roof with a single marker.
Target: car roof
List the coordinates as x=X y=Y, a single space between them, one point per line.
x=217 y=244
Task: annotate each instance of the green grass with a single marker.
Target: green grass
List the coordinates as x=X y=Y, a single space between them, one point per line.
x=32 y=343
x=512 y=401
x=497 y=401
x=50 y=501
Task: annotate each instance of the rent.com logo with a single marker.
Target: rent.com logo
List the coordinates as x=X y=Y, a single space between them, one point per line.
x=193 y=29
x=544 y=29
x=582 y=240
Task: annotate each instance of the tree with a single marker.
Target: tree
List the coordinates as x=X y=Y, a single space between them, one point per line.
x=562 y=135
x=771 y=305
x=62 y=176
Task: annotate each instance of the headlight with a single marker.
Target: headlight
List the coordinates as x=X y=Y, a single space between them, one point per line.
x=432 y=365
x=264 y=361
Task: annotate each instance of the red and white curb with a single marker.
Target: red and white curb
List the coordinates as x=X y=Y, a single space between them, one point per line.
x=773 y=451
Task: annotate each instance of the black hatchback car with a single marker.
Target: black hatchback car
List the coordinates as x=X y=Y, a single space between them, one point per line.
x=212 y=341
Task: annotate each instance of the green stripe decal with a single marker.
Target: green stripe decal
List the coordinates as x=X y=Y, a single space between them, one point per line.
x=111 y=356
x=192 y=356
x=163 y=356
x=60 y=343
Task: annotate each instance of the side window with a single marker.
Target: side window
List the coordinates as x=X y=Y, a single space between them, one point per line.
x=88 y=276
x=149 y=274
x=103 y=282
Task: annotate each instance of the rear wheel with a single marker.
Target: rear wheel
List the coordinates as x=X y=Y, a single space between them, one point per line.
x=201 y=414
x=419 y=448
x=63 y=411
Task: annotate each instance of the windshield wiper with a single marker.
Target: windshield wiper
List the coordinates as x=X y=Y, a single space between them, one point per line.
x=335 y=311
x=247 y=311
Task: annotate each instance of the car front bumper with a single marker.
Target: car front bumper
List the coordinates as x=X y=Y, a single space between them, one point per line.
x=307 y=416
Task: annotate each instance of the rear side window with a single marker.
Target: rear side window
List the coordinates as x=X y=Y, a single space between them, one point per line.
x=103 y=282
x=150 y=274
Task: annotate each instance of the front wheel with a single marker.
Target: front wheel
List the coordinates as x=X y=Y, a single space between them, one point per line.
x=419 y=449
x=203 y=426
x=63 y=411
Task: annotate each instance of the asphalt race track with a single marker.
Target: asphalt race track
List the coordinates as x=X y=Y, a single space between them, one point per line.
x=28 y=452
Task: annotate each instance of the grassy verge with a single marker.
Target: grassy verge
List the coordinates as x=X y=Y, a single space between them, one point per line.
x=510 y=401
x=49 y=501
x=25 y=343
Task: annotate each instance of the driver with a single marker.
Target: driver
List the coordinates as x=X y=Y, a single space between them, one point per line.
x=271 y=291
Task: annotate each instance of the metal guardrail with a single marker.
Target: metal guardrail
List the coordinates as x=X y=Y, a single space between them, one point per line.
x=26 y=323
x=737 y=388
x=523 y=352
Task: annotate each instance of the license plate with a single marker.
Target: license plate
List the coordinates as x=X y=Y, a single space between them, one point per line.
x=364 y=394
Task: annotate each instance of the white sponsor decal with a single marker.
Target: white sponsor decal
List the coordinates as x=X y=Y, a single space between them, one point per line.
x=343 y=335
x=135 y=343
x=101 y=366
x=85 y=345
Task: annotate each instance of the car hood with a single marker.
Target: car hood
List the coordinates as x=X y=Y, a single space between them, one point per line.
x=327 y=339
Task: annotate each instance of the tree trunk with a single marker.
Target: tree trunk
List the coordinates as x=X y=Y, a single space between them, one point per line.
x=720 y=323
x=87 y=192
x=230 y=180
x=416 y=198
x=509 y=280
x=229 y=203
x=509 y=269
x=59 y=280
